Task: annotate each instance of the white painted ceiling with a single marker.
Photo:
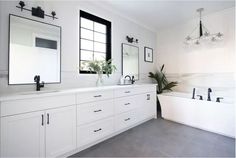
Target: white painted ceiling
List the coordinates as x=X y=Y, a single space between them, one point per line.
x=157 y=14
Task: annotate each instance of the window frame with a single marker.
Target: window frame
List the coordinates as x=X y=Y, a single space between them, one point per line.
x=99 y=20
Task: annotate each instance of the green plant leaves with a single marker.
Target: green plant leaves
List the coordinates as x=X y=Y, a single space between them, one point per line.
x=162 y=67
x=170 y=85
x=101 y=67
x=162 y=82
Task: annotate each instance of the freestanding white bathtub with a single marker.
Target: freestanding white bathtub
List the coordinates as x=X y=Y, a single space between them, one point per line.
x=207 y=115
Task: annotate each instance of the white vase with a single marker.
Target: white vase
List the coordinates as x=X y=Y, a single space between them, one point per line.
x=99 y=81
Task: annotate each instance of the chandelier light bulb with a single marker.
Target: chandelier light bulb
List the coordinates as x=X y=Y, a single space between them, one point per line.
x=197 y=42
x=213 y=39
x=219 y=35
x=188 y=38
x=206 y=34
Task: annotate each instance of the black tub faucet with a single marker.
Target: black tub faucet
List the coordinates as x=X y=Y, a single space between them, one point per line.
x=200 y=97
x=193 y=97
x=38 y=84
x=218 y=99
x=209 y=94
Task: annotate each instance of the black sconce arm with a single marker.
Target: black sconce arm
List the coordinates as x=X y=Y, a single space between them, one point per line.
x=38 y=12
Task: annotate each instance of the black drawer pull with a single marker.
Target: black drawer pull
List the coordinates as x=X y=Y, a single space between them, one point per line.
x=97 y=96
x=47 y=118
x=97 y=130
x=42 y=120
x=127 y=103
x=127 y=91
x=127 y=119
x=97 y=110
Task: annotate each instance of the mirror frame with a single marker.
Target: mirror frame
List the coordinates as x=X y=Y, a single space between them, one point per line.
x=122 y=67
x=9 y=35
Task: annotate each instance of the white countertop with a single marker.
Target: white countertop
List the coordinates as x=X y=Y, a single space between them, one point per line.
x=47 y=93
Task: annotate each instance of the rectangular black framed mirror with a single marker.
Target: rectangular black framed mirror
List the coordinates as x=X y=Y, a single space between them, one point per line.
x=130 y=60
x=34 y=49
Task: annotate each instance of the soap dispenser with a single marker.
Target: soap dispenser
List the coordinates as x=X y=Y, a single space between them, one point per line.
x=122 y=79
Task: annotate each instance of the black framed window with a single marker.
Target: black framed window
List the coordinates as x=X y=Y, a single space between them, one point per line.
x=95 y=40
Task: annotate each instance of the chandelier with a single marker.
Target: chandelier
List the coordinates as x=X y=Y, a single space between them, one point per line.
x=203 y=34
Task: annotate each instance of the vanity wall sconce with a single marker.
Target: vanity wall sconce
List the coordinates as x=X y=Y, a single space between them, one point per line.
x=131 y=39
x=38 y=12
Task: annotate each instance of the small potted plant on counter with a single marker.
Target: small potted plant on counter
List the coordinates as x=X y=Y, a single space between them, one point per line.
x=100 y=68
x=162 y=84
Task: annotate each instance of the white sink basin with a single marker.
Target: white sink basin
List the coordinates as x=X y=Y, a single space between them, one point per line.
x=38 y=92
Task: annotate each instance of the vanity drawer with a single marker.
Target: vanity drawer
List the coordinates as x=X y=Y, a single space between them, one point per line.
x=125 y=120
x=125 y=104
x=123 y=92
x=94 y=96
x=35 y=104
x=94 y=111
x=94 y=131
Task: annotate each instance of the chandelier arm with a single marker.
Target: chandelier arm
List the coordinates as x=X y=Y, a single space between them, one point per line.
x=205 y=28
x=193 y=31
x=196 y=38
x=192 y=39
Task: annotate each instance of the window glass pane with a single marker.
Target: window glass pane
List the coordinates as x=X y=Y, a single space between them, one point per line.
x=86 y=23
x=99 y=37
x=99 y=56
x=99 y=27
x=87 y=34
x=86 y=55
x=87 y=45
x=84 y=65
x=93 y=40
x=100 y=47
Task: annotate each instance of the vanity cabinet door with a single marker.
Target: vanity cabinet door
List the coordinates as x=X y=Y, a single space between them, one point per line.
x=60 y=131
x=23 y=135
x=147 y=105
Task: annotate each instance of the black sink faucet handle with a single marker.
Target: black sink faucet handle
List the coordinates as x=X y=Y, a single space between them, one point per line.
x=42 y=84
x=132 y=80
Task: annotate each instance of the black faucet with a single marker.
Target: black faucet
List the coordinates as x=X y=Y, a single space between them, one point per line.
x=131 y=79
x=38 y=84
x=193 y=97
x=208 y=94
x=200 y=97
x=218 y=99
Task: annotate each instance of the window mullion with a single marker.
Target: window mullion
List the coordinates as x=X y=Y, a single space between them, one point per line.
x=93 y=41
x=94 y=20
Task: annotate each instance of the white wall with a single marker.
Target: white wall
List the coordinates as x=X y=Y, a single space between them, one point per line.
x=67 y=13
x=207 y=65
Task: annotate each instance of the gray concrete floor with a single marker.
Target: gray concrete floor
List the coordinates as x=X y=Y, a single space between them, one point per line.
x=162 y=138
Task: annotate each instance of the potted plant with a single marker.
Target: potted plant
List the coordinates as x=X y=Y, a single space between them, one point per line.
x=100 y=68
x=162 y=84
